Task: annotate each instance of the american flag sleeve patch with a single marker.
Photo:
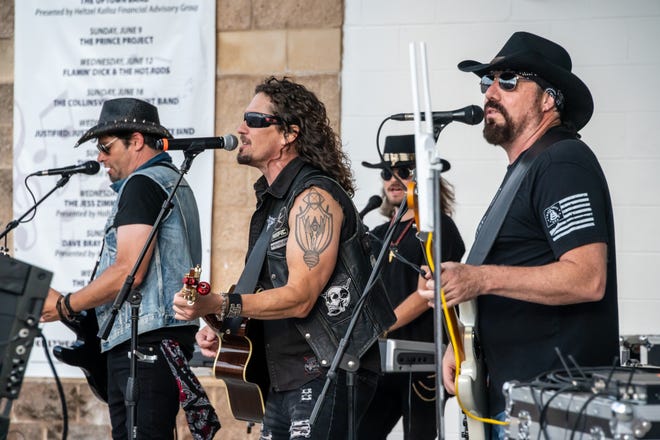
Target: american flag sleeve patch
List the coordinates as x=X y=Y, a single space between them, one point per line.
x=568 y=215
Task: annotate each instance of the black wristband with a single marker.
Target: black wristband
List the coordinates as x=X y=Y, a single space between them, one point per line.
x=235 y=305
x=67 y=306
x=60 y=312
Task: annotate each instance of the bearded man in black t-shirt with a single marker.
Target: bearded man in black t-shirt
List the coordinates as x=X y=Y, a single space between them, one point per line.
x=411 y=396
x=549 y=278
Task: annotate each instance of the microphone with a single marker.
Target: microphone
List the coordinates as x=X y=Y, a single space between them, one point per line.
x=89 y=167
x=373 y=203
x=471 y=115
x=227 y=142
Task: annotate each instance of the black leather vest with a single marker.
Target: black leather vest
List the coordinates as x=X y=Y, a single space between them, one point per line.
x=328 y=321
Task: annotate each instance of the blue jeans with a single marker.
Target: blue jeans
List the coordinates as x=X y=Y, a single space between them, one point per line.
x=497 y=432
x=157 y=395
x=288 y=412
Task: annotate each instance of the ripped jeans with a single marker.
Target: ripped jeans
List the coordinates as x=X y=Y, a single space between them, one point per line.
x=288 y=412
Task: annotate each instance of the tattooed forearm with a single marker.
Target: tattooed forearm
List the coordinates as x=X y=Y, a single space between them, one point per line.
x=313 y=227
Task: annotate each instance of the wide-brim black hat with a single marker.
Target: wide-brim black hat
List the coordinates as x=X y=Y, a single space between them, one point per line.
x=126 y=114
x=399 y=151
x=526 y=52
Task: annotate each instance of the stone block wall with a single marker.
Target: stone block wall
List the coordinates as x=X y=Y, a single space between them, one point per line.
x=255 y=39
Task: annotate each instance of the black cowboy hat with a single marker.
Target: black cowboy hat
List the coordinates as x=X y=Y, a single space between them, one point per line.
x=399 y=151
x=526 y=52
x=126 y=114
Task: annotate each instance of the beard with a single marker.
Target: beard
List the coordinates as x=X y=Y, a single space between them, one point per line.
x=499 y=134
x=243 y=158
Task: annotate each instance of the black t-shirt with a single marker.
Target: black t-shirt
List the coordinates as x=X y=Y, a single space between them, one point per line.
x=140 y=202
x=563 y=203
x=401 y=280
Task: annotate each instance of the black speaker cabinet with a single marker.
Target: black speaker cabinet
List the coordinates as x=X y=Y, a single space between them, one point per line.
x=23 y=289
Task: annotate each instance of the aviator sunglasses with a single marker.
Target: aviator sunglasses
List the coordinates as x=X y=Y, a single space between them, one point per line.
x=105 y=148
x=506 y=80
x=261 y=120
x=402 y=172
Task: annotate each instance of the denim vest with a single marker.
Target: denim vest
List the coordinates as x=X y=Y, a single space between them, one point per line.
x=178 y=248
x=326 y=324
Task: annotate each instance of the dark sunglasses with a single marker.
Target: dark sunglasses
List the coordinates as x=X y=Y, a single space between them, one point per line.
x=261 y=120
x=506 y=80
x=105 y=148
x=402 y=172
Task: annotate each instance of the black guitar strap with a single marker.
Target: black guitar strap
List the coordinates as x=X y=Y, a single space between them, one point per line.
x=248 y=280
x=492 y=221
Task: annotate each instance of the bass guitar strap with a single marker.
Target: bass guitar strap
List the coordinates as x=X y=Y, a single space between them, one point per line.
x=492 y=221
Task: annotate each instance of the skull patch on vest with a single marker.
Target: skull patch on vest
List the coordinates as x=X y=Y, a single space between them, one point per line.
x=337 y=298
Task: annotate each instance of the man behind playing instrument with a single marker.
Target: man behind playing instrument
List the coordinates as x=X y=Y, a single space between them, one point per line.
x=549 y=279
x=412 y=396
x=314 y=269
x=141 y=176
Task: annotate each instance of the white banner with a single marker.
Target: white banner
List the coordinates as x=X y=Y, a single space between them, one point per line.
x=71 y=56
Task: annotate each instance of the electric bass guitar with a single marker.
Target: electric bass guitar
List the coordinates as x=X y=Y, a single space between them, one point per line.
x=85 y=353
x=471 y=381
x=240 y=362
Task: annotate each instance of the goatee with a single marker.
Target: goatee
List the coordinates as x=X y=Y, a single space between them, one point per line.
x=243 y=159
x=498 y=134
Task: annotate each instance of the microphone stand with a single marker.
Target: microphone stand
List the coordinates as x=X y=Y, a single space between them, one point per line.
x=14 y=223
x=351 y=364
x=132 y=388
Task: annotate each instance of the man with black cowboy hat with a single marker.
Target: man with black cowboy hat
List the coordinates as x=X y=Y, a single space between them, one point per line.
x=142 y=176
x=411 y=396
x=549 y=278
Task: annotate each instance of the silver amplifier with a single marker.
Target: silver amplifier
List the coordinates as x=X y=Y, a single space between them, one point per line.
x=401 y=356
x=547 y=412
x=640 y=350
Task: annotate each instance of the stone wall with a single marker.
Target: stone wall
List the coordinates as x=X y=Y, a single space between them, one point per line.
x=255 y=39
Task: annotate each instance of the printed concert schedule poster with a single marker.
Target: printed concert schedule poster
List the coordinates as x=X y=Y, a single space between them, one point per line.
x=71 y=56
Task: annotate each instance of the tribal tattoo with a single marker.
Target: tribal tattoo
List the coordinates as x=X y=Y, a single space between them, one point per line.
x=313 y=227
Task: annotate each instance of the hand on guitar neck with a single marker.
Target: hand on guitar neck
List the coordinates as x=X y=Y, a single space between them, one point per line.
x=194 y=299
x=239 y=361
x=470 y=382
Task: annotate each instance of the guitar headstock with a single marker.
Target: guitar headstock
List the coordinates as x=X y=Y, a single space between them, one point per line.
x=192 y=286
x=412 y=202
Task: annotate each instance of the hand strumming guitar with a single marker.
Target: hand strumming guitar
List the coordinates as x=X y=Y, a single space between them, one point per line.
x=49 y=312
x=208 y=341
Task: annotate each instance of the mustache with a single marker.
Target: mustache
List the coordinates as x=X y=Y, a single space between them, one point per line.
x=494 y=105
x=397 y=185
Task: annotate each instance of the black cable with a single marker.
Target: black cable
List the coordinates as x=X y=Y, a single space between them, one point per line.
x=580 y=415
x=34 y=199
x=60 y=389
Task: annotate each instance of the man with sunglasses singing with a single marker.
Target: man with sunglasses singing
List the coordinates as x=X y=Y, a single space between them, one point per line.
x=411 y=396
x=142 y=176
x=309 y=255
x=549 y=277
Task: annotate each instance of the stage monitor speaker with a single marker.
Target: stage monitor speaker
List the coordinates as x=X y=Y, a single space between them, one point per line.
x=23 y=289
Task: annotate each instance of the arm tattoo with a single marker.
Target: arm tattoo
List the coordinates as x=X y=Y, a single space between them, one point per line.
x=313 y=227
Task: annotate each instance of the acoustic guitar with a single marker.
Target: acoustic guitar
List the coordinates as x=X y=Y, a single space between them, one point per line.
x=240 y=361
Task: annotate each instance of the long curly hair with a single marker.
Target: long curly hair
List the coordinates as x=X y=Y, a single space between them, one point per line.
x=317 y=144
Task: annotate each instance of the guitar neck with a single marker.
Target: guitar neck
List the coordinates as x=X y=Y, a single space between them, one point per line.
x=457 y=328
